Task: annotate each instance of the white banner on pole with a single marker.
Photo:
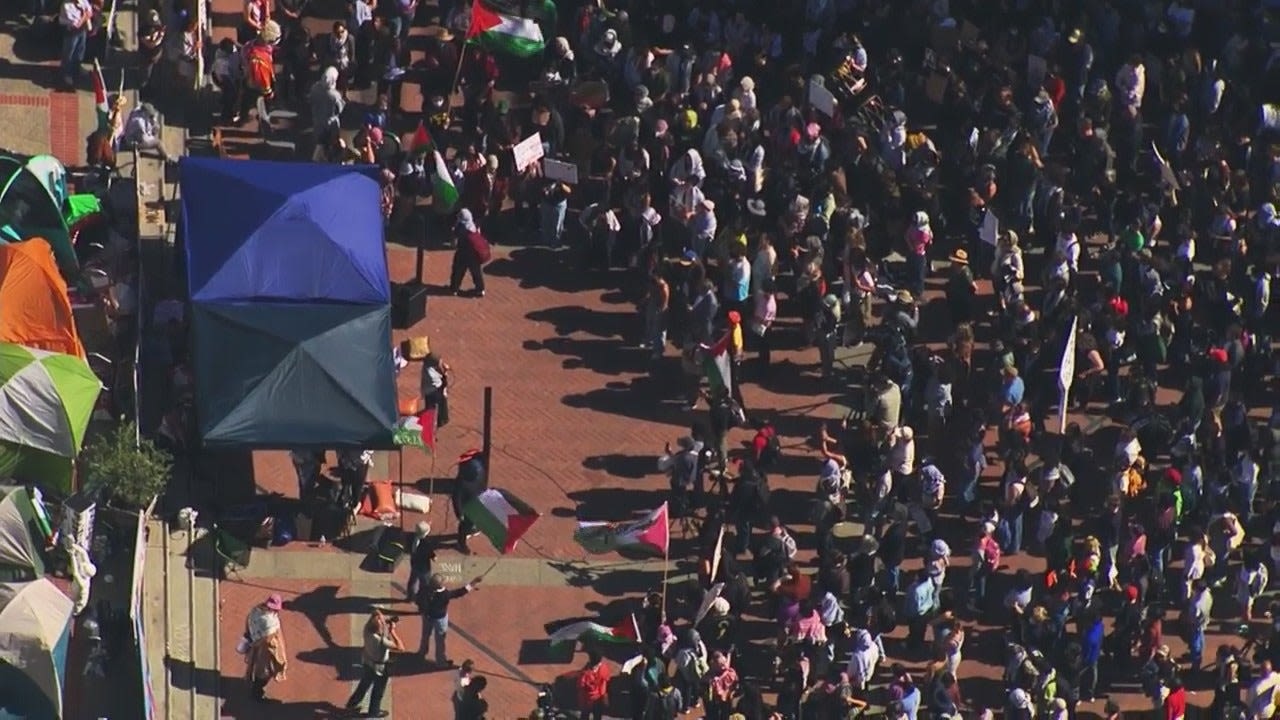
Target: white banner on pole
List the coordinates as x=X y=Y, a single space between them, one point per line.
x=528 y=151
x=1066 y=374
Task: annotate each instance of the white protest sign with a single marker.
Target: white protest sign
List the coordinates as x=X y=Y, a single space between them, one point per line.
x=822 y=100
x=565 y=172
x=1067 y=374
x=528 y=151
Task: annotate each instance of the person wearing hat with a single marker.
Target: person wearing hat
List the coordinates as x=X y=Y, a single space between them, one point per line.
x=380 y=638
x=421 y=553
x=433 y=603
x=470 y=255
x=962 y=288
x=265 y=654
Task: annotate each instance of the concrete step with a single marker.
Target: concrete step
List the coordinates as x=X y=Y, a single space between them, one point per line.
x=206 y=612
x=192 y=605
x=154 y=593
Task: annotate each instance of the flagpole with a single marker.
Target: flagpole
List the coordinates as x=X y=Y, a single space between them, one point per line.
x=457 y=75
x=666 y=571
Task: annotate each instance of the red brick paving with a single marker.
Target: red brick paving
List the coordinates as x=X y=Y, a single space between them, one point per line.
x=66 y=140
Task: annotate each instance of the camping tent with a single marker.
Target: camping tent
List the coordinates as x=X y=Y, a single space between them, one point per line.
x=24 y=526
x=291 y=332
x=35 y=628
x=46 y=400
x=29 y=209
x=34 y=308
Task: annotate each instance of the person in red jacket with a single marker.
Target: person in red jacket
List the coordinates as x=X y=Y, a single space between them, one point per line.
x=593 y=688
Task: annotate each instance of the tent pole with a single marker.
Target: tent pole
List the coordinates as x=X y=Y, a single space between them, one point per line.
x=400 y=463
x=487 y=431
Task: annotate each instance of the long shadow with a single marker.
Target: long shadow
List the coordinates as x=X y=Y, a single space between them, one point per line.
x=344 y=660
x=541 y=267
x=603 y=356
x=239 y=705
x=44 y=76
x=570 y=319
x=646 y=398
x=620 y=465
x=323 y=602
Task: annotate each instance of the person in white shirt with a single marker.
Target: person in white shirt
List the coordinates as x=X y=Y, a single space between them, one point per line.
x=76 y=19
x=1069 y=246
x=1244 y=478
x=1262 y=693
x=142 y=131
x=902 y=453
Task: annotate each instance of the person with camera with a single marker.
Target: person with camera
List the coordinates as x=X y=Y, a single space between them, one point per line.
x=380 y=638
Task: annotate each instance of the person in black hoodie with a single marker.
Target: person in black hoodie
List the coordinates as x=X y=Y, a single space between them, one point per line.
x=472 y=480
x=433 y=602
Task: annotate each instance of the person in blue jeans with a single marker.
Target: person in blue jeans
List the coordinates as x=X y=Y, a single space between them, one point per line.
x=380 y=638
x=75 y=17
x=433 y=603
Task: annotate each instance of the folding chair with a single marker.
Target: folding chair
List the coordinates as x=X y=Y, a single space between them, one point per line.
x=232 y=552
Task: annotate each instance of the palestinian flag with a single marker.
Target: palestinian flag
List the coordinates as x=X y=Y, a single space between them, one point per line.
x=417 y=431
x=421 y=138
x=716 y=363
x=627 y=631
x=444 y=194
x=506 y=34
x=502 y=517
x=651 y=532
x=100 y=99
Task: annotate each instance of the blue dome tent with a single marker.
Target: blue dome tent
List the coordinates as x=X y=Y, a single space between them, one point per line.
x=286 y=272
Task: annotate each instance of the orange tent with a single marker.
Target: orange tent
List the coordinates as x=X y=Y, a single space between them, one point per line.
x=34 y=308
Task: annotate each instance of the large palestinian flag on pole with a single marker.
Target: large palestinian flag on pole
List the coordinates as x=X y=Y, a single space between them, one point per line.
x=503 y=33
x=502 y=517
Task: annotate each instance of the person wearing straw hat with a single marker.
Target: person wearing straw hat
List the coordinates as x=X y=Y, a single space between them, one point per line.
x=962 y=289
x=421 y=553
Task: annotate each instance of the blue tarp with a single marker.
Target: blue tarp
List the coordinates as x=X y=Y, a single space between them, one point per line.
x=287 y=277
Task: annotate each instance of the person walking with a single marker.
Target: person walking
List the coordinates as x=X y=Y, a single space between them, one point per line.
x=265 y=656
x=380 y=638
x=470 y=255
x=433 y=603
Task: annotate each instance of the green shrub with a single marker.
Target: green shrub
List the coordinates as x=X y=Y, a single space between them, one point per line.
x=128 y=474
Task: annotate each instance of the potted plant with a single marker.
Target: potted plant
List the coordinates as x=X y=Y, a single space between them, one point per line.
x=125 y=473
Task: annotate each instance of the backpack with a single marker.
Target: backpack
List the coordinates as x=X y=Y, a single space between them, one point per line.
x=772 y=447
x=259 y=67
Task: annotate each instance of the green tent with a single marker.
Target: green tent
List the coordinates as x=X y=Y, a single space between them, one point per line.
x=29 y=209
x=46 y=400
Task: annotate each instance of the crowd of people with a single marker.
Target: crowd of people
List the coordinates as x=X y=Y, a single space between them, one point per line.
x=1089 y=186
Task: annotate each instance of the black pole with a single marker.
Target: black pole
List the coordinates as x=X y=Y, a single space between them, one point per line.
x=488 y=423
x=417 y=266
